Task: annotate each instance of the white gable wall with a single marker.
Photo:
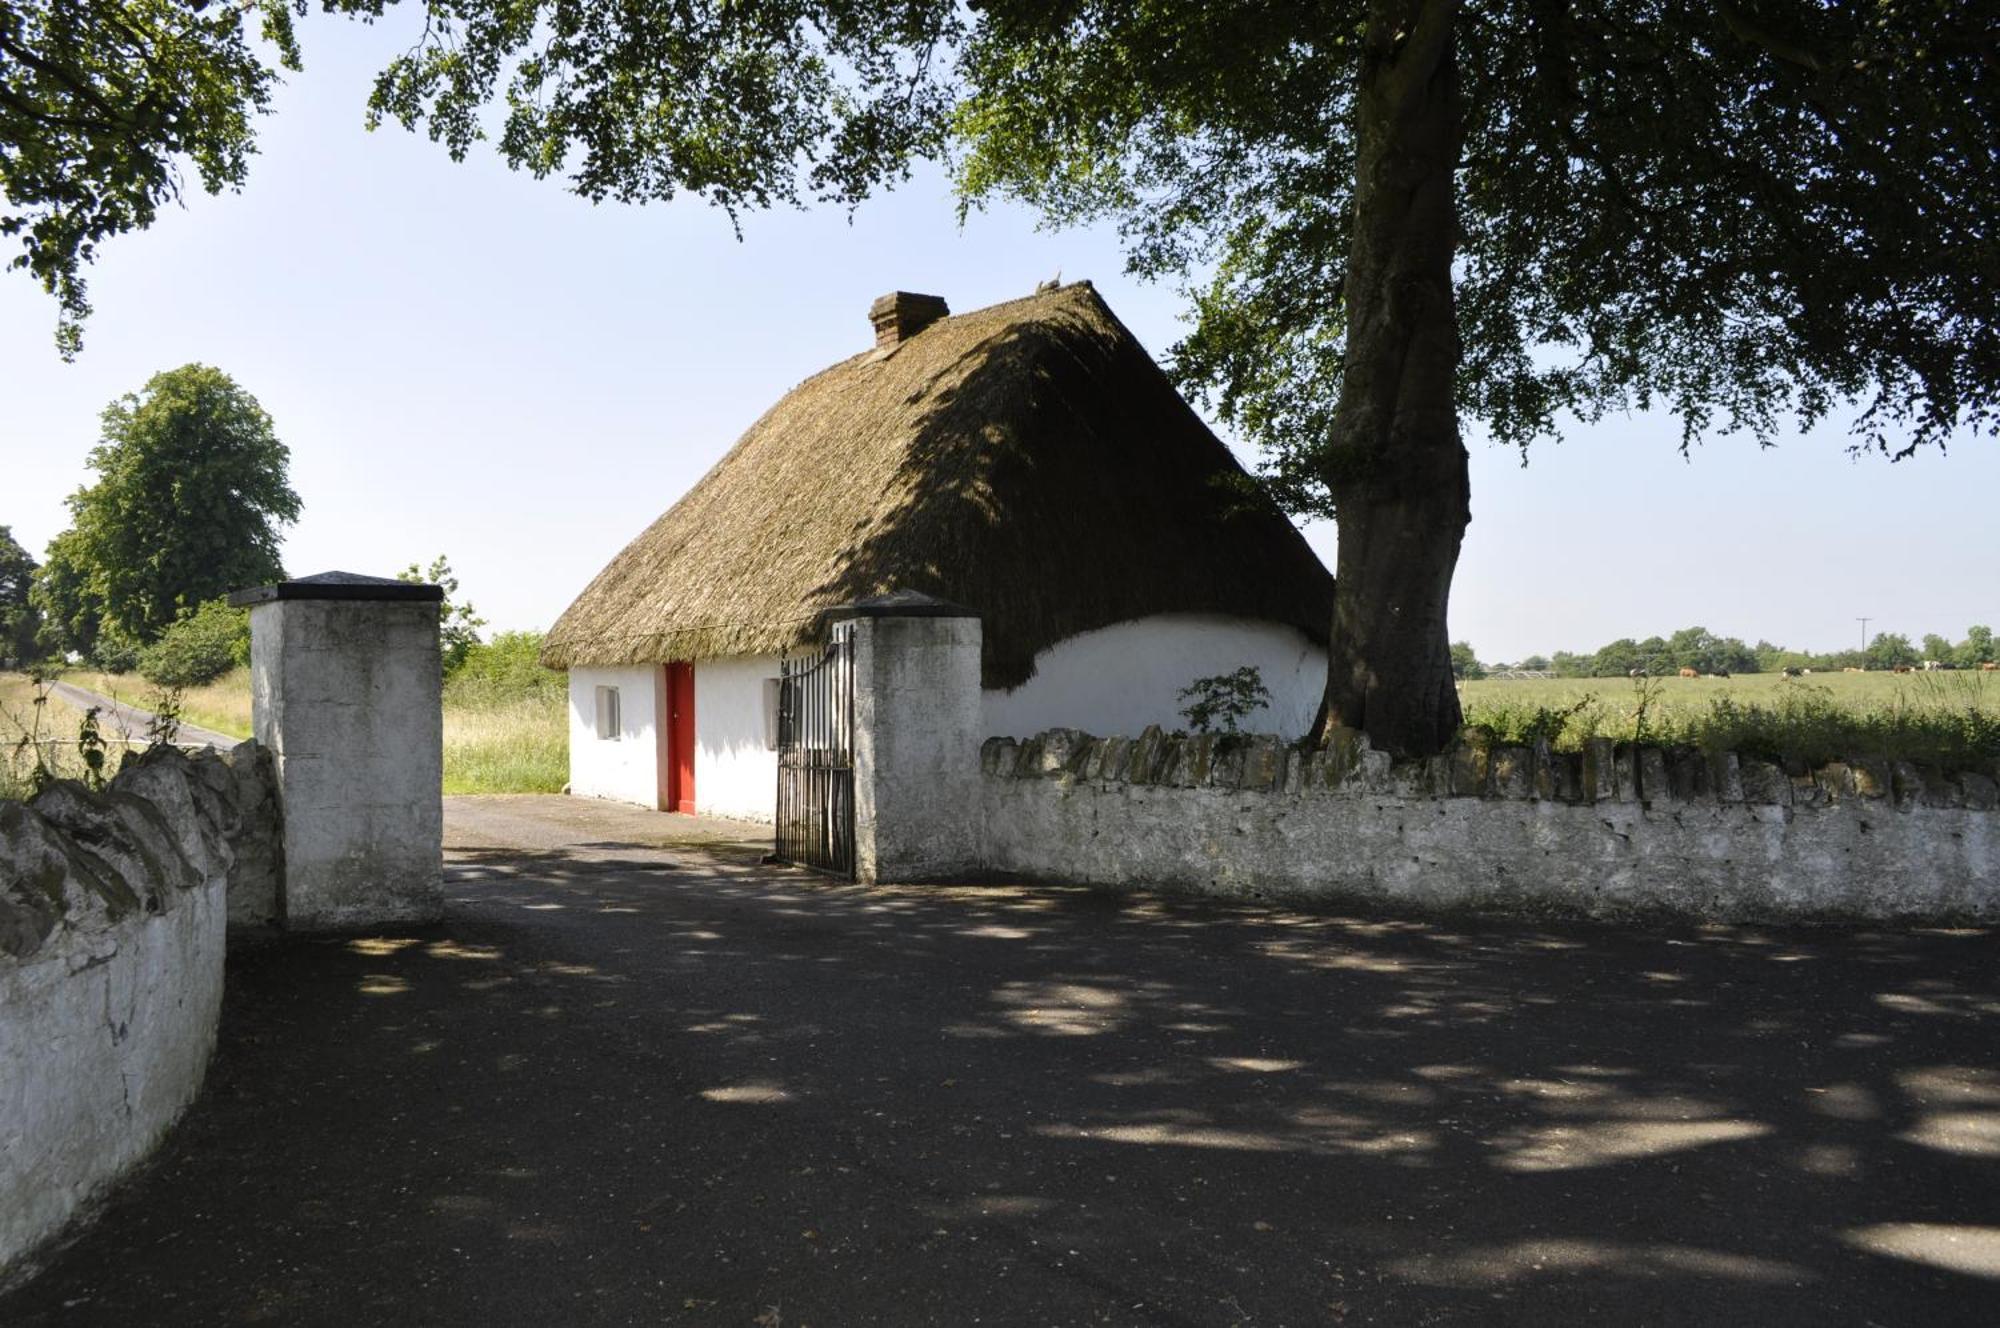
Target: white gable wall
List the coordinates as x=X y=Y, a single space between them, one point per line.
x=1119 y=679
x=625 y=768
x=735 y=764
x=1116 y=680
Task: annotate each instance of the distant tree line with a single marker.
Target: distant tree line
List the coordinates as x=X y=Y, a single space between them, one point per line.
x=1699 y=649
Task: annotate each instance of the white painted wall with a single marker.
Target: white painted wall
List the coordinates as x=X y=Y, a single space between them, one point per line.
x=1116 y=680
x=113 y=913
x=106 y=1035
x=625 y=768
x=346 y=694
x=1384 y=835
x=916 y=748
x=1121 y=678
x=735 y=766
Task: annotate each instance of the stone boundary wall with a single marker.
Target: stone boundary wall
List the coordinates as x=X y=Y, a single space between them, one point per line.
x=113 y=912
x=1611 y=830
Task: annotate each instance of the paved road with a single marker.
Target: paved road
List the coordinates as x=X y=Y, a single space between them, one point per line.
x=121 y=719
x=634 y=1084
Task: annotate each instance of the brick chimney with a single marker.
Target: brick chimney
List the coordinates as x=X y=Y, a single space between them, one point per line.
x=900 y=315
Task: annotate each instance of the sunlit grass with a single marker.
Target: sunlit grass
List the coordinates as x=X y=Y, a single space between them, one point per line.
x=516 y=746
x=493 y=742
x=1950 y=720
x=222 y=706
x=30 y=732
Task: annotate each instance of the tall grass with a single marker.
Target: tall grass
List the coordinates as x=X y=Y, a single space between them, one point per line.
x=35 y=730
x=222 y=705
x=1947 y=720
x=506 y=718
x=506 y=746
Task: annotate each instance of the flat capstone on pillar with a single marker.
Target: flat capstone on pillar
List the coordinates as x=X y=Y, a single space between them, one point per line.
x=916 y=737
x=347 y=693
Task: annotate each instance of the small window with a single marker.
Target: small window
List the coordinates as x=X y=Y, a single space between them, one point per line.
x=609 y=722
x=770 y=714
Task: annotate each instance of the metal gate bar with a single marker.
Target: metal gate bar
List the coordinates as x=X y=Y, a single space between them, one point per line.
x=815 y=825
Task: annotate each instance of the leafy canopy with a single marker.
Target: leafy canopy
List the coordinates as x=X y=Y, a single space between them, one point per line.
x=1737 y=212
x=190 y=493
x=1740 y=213
x=102 y=101
x=20 y=621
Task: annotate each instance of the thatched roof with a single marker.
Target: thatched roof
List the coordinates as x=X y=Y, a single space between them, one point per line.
x=1028 y=460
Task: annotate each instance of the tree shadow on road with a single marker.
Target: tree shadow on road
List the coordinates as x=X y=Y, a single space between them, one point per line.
x=714 y=1088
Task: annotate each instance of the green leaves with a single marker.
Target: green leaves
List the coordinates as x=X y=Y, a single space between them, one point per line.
x=1746 y=215
x=100 y=103
x=191 y=489
x=458 y=622
x=20 y=620
x=1747 y=218
x=744 y=104
x=1221 y=702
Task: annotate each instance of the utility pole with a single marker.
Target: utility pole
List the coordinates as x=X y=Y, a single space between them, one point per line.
x=1864 y=634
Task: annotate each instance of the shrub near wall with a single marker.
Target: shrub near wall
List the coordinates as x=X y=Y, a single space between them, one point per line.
x=113 y=910
x=1614 y=828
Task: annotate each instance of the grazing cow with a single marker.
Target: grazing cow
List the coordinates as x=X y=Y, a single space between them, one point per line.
x=1851 y=669
x=1635 y=673
x=1720 y=673
x=1794 y=673
x=1989 y=667
x=1689 y=673
x=1902 y=668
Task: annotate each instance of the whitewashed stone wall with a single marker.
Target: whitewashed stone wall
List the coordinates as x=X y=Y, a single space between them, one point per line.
x=347 y=695
x=916 y=746
x=1613 y=830
x=113 y=912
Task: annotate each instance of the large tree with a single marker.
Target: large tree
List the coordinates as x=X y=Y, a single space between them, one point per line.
x=20 y=620
x=1394 y=216
x=190 y=493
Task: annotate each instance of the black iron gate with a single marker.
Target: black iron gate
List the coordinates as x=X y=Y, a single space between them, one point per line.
x=816 y=757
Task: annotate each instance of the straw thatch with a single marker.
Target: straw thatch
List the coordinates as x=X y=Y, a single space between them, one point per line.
x=1029 y=461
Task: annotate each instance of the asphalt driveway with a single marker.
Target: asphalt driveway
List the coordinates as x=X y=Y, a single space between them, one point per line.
x=639 y=1081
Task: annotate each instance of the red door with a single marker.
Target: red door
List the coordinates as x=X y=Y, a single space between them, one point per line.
x=677 y=747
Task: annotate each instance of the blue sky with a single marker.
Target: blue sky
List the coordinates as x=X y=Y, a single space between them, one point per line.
x=466 y=361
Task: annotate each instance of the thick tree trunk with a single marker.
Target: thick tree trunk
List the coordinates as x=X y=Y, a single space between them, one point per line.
x=1395 y=466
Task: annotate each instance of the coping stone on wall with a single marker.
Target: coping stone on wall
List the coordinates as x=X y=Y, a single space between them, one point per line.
x=1718 y=835
x=997 y=756
x=1604 y=772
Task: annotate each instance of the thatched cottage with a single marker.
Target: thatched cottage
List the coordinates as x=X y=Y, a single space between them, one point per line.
x=1029 y=461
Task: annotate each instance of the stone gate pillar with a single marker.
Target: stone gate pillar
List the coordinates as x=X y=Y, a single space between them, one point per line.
x=916 y=737
x=346 y=692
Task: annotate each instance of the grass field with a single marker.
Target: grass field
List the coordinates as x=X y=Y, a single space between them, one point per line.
x=222 y=705
x=21 y=722
x=1949 y=719
x=510 y=741
x=517 y=746
x=493 y=742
